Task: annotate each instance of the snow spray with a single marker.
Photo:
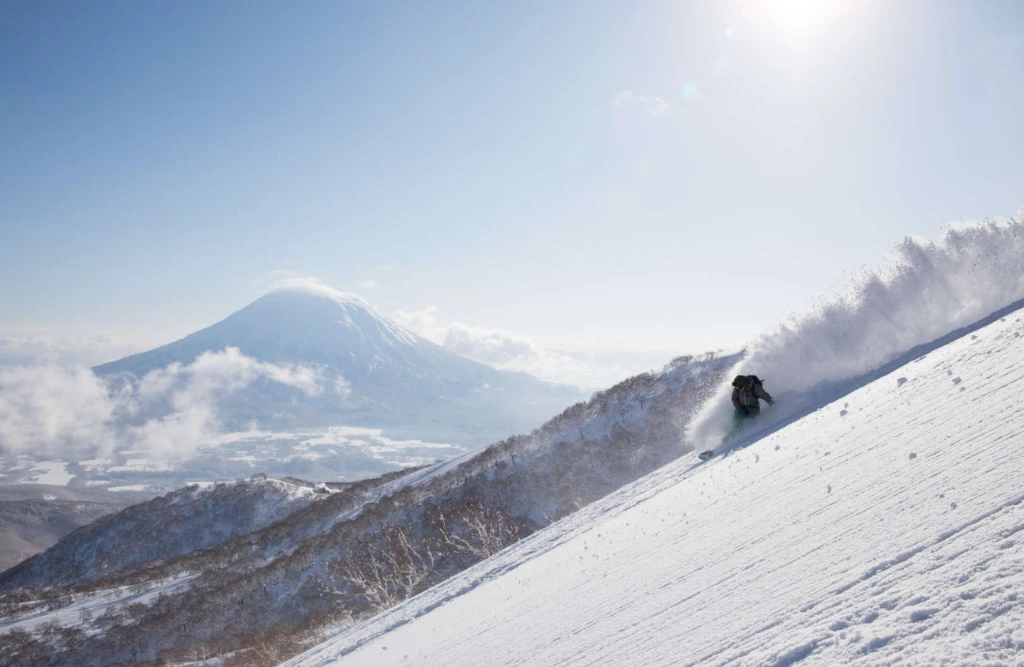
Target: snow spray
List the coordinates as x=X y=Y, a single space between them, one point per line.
x=923 y=291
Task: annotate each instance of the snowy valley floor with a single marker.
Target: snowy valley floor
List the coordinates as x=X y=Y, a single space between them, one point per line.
x=885 y=528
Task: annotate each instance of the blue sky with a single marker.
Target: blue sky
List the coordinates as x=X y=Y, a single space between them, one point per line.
x=633 y=176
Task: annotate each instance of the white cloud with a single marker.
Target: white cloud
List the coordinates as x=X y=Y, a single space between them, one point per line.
x=422 y=322
x=285 y=279
x=342 y=388
x=510 y=351
x=193 y=393
x=71 y=412
x=317 y=286
x=55 y=409
x=215 y=373
x=655 y=106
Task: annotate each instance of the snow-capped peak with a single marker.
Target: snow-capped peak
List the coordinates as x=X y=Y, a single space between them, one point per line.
x=316 y=287
x=391 y=376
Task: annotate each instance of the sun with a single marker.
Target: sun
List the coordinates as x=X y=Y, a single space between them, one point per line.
x=797 y=21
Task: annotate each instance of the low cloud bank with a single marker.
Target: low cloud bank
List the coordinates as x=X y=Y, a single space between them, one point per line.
x=75 y=345
x=925 y=290
x=510 y=351
x=70 y=412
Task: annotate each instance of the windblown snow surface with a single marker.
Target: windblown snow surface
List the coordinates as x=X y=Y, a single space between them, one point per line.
x=882 y=527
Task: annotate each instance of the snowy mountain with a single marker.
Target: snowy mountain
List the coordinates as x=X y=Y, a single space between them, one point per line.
x=381 y=375
x=30 y=526
x=306 y=381
x=34 y=517
x=187 y=520
x=880 y=528
x=287 y=579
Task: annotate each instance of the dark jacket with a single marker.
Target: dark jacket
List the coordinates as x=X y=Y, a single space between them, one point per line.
x=746 y=390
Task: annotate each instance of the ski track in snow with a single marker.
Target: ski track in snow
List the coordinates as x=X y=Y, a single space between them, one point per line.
x=884 y=527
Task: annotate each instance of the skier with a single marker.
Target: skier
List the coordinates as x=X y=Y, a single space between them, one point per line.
x=746 y=390
x=747 y=394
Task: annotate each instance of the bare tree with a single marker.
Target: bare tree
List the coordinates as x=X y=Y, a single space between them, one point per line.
x=199 y=652
x=388 y=566
x=479 y=530
x=269 y=647
x=577 y=416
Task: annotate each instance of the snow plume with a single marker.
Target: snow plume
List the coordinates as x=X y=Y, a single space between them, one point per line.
x=70 y=412
x=925 y=290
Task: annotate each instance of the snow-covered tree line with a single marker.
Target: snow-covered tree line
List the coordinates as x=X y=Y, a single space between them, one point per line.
x=375 y=543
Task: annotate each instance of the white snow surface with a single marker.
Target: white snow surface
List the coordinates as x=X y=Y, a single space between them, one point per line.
x=883 y=527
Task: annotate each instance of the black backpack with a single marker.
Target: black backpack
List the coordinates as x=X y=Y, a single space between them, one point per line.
x=757 y=380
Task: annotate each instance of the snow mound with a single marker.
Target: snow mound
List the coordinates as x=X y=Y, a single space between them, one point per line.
x=884 y=528
x=925 y=290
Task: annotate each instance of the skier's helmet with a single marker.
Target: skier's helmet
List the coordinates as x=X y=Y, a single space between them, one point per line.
x=739 y=381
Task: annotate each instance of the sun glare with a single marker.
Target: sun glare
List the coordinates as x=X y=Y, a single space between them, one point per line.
x=797 y=21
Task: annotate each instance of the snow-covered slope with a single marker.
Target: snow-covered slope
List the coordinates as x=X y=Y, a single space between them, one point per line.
x=880 y=528
x=378 y=374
